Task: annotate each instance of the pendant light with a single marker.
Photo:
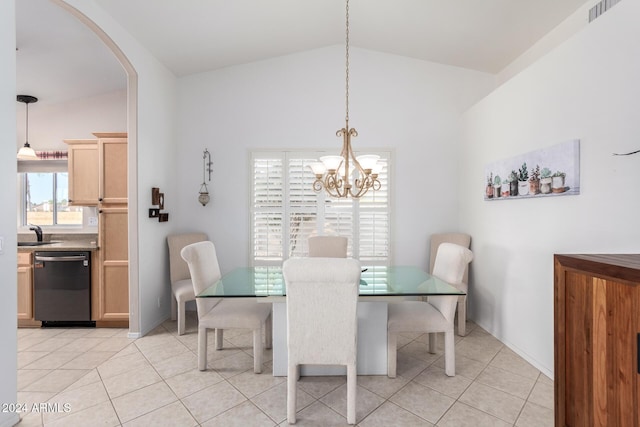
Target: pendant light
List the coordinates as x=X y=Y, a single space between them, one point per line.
x=26 y=152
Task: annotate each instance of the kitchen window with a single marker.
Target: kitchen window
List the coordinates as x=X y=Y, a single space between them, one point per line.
x=45 y=200
x=286 y=211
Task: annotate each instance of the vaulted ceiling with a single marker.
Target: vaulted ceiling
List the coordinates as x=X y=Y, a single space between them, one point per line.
x=58 y=58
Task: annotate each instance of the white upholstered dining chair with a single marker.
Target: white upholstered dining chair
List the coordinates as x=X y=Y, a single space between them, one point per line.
x=435 y=315
x=225 y=313
x=464 y=240
x=328 y=246
x=181 y=286
x=322 y=321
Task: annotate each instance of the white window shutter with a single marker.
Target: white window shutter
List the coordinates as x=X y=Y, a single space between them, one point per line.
x=286 y=211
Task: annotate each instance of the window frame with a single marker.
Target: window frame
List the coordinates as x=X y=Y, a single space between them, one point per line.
x=286 y=209
x=54 y=192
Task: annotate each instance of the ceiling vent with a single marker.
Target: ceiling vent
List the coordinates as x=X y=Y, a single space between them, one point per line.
x=601 y=8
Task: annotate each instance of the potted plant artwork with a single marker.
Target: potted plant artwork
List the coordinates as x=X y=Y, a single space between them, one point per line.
x=545 y=181
x=489 y=188
x=523 y=180
x=497 y=185
x=534 y=181
x=557 y=182
x=506 y=188
x=513 y=181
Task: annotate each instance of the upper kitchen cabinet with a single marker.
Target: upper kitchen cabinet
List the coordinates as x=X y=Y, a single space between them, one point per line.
x=83 y=172
x=112 y=168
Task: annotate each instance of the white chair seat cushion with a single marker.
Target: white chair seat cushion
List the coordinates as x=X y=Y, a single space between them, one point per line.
x=415 y=316
x=183 y=290
x=236 y=313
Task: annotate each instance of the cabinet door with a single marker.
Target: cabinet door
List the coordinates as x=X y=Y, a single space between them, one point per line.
x=113 y=170
x=114 y=265
x=25 y=292
x=83 y=172
x=621 y=354
x=597 y=326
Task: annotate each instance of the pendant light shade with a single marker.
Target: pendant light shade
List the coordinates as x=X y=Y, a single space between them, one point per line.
x=26 y=152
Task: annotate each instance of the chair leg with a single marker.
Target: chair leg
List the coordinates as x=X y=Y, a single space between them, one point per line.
x=449 y=354
x=257 y=350
x=181 y=317
x=219 y=336
x=462 y=316
x=351 y=393
x=202 y=348
x=291 y=392
x=174 y=309
x=268 y=331
x=392 y=344
x=432 y=342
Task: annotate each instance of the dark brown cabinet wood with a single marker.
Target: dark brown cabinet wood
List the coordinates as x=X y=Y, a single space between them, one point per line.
x=597 y=322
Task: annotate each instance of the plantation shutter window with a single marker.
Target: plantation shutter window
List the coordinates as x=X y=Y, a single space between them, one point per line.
x=286 y=211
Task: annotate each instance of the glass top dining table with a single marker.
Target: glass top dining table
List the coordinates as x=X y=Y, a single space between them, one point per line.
x=375 y=281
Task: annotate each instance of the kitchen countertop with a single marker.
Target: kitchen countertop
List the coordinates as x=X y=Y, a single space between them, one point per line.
x=64 y=245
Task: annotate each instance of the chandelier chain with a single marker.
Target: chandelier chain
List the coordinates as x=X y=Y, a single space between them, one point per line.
x=347 y=64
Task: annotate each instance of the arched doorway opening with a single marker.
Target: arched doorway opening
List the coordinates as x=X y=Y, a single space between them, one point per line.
x=132 y=114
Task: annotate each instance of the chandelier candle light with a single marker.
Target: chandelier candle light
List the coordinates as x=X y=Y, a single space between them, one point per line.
x=333 y=173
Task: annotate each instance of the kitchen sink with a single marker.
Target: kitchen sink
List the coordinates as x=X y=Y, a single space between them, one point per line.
x=34 y=243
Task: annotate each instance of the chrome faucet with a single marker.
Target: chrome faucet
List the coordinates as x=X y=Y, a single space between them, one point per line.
x=38 y=231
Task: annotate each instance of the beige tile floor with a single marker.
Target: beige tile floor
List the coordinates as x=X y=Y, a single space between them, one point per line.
x=107 y=379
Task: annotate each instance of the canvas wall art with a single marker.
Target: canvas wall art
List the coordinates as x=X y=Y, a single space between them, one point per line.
x=548 y=172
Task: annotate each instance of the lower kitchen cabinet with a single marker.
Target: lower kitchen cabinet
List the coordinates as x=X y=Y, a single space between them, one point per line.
x=25 y=290
x=25 y=286
x=597 y=334
x=113 y=263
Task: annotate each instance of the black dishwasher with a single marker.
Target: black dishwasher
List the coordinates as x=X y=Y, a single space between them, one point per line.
x=62 y=288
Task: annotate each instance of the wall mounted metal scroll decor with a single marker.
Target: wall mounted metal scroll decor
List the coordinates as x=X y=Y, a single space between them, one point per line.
x=548 y=172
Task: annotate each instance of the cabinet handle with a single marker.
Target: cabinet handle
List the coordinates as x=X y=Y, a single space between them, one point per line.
x=100 y=199
x=100 y=211
x=70 y=201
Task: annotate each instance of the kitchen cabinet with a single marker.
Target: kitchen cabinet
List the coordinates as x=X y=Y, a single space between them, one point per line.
x=112 y=305
x=597 y=334
x=25 y=290
x=114 y=264
x=25 y=286
x=83 y=172
x=112 y=168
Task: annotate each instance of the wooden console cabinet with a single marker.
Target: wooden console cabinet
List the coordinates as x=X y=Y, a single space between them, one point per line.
x=597 y=334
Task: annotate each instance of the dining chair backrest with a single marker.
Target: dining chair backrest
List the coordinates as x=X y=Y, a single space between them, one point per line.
x=328 y=246
x=205 y=271
x=437 y=239
x=451 y=263
x=178 y=268
x=322 y=298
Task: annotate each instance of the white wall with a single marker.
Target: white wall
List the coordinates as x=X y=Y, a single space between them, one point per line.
x=587 y=88
x=565 y=30
x=49 y=124
x=297 y=101
x=8 y=169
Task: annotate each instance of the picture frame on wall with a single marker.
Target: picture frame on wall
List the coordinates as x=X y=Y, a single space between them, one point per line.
x=547 y=172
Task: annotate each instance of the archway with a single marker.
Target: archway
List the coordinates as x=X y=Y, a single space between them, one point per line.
x=132 y=115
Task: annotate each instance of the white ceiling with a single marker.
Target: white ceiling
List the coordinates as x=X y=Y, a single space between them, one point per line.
x=59 y=59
